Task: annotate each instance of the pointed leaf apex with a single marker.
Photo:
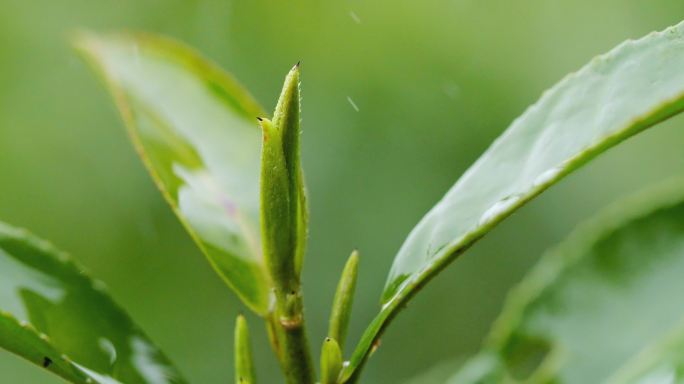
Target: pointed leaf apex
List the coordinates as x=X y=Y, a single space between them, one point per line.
x=344 y=298
x=331 y=361
x=353 y=258
x=244 y=366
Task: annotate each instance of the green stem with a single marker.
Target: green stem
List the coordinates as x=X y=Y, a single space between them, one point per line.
x=292 y=342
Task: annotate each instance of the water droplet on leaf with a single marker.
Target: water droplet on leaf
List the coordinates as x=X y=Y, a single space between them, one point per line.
x=499 y=208
x=547 y=176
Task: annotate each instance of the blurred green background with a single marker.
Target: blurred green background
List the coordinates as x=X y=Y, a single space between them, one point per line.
x=435 y=81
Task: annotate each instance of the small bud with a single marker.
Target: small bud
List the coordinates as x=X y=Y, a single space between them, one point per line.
x=344 y=298
x=244 y=366
x=331 y=361
x=283 y=200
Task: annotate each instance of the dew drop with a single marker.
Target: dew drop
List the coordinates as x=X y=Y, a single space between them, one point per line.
x=547 y=176
x=499 y=208
x=389 y=302
x=99 y=285
x=109 y=348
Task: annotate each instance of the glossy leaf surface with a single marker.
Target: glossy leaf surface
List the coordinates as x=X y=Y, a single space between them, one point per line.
x=53 y=315
x=615 y=96
x=598 y=304
x=195 y=128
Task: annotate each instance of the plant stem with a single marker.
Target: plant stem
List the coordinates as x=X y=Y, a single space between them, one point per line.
x=292 y=343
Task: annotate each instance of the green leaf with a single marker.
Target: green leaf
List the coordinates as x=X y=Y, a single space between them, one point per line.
x=600 y=302
x=244 y=362
x=344 y=298
x=55 y=316
x=331 y=361
x=615 y=96
x=195 y=129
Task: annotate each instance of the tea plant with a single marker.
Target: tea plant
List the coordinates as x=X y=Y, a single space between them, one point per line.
x=589 y=312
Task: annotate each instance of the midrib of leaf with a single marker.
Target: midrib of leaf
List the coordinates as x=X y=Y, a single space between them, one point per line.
x=440 y=232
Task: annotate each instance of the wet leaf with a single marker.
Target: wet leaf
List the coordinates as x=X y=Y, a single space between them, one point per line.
x=55 y=316
x=615 y=96
x=599 y=306
x=195 y=128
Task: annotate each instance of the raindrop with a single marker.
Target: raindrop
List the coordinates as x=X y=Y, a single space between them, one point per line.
x=386 y=305
x=108 y=347
x=547 y=176
x=352 y=103
x=99 y=285
x=498 y=209
x=355 y=17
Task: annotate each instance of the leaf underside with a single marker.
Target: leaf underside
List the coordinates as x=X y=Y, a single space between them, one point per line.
x=195 y=129
x=55 y=316
x=616 y=95
x=603 y=307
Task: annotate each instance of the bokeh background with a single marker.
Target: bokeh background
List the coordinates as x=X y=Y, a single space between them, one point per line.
x=434 y=81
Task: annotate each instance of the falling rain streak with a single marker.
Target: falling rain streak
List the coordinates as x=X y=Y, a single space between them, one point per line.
x=352 y=103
